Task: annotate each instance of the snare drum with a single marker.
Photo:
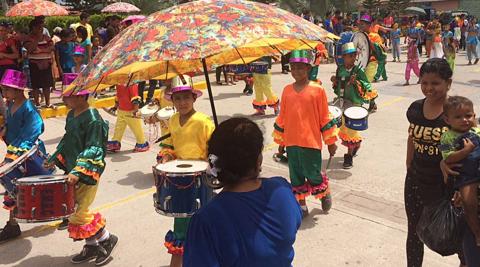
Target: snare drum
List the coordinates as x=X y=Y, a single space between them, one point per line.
x=149 y=110
x=356 y=118
x=28 y=164
x=44 y=198
x=337 y=114
x=181 y=188
x=165 y=113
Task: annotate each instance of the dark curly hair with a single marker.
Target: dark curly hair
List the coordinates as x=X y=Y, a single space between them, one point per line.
x=456 y=102
x=237 y=143
x=437 y=65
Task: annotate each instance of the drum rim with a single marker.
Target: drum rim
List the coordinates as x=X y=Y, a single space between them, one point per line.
x=345 y=113
x=20 y=160
x=155 y=108
x=57 y=181
x=170 y=110
x=43 y=220
x=172 y=214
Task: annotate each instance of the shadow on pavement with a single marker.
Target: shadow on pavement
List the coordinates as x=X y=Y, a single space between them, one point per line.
x=222 y=96
x=39 y=231
x=338 y=174
x=14 y=251
x=45 y=260
x=138 y=179
x=120 y=156
x=311 y=220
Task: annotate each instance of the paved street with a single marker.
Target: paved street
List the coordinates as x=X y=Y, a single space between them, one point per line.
x=366 y=226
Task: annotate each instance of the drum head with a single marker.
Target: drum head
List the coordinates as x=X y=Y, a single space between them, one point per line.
x=182 y=166
x=8 y=167
x=149 y=110
x=336 y=112
x=362 y=43
x=165 y=113
x=356 y=113
x=41 y=179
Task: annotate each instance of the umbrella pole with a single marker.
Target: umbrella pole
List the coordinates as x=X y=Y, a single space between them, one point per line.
x=210 y=94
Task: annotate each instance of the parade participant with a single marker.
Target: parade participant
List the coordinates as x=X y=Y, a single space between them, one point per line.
x=23 y=126
x=304 y=106
x=81 y=155
x=437 y=47
x=395 y=41
x=412 y=61
x=352 y=88
x=320 y=53
x=249 y=208
x=375 y=51
x=128 y=104
x=472 y=41
x=450 y=50
x=190 y=131
x=381 y=56
x=64 y=51
x=262 y=85
x=78 y=59
x=461 y=144
x=424 y=179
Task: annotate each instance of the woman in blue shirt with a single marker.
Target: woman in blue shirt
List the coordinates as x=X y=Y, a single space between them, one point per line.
x=254 y=220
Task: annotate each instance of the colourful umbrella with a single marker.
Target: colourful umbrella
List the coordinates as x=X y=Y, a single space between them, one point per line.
x=120 y=7
x=195 y=36
x=36 y=8
x=134 y=18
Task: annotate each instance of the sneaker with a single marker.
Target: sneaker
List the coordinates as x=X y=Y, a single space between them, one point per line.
x=406 y=83
x=9 y=232
x=327 y=203
x=347 y=161
x=394 y=60
x=105 y=249
x=63 y=225
x=373 y=107
x=113 y=146
x=476 y=61
x=88 y=253
x=469 y=62
x=141 y=147
x=375 y=80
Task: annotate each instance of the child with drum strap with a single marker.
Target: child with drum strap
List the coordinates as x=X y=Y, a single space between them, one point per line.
x=23 y=126
x=352 y=88
x=304 y=106
x=262 y=85
x=190 y=131
x=81 y=154
x=128 y=105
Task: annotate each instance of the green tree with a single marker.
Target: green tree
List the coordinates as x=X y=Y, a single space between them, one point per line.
x=396 y=6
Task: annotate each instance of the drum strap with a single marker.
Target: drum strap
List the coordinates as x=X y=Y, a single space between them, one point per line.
x=163 y=138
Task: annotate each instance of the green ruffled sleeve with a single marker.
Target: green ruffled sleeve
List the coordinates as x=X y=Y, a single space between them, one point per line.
x=90 y=162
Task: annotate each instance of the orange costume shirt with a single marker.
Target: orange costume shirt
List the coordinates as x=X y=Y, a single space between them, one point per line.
x=127 y=97
x=304 y=118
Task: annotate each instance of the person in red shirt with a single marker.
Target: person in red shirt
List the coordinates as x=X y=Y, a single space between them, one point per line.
x=128 y=102
x=304 y=106
x=8 y=50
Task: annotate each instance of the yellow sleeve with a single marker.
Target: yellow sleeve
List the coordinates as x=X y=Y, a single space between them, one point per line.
x=166 y=146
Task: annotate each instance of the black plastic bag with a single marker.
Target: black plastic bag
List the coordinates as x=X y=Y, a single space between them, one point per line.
x=441 y=227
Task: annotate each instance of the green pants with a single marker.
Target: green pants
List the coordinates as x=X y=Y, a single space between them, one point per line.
x=304 y=163
x=381 y=70
x=180 y=227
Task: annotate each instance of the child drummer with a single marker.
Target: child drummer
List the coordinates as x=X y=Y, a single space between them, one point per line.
x=22 y=128
x=128 y=105
x=352 y=88
x=190 y=131
x=81 y=154
x=304 y=106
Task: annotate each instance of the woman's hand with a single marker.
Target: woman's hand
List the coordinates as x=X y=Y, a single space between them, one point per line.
x=447 y=169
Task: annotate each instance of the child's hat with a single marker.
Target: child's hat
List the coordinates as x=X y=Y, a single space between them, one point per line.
x=348 y=48
x=79 y=51
x=301 y=56
x=14 y=79
x=182 y=83
x=366 y=18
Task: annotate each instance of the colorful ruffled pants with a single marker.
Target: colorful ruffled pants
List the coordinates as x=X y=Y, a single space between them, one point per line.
x=174 y=240
x=124 y=119
x=262 y=85
x=83 y=223
x=305 y=168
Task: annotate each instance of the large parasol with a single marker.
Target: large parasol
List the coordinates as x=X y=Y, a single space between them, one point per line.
x=195 y=36
x=36 y=8
x=120 y=7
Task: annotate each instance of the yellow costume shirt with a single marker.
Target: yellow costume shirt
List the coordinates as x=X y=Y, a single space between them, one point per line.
x=188 y=142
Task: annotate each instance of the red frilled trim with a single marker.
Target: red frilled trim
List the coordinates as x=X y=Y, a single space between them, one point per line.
x=79 y=232
x=173 y=245
x=8 y=202
x=318 y=191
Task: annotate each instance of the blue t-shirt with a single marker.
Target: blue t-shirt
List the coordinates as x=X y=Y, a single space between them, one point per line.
x=256 y=228
x=395 y=36
x=86 y=44
x=65 y=53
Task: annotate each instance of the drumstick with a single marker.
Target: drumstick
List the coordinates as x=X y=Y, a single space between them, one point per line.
x=328 y=164
x=162 y=138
